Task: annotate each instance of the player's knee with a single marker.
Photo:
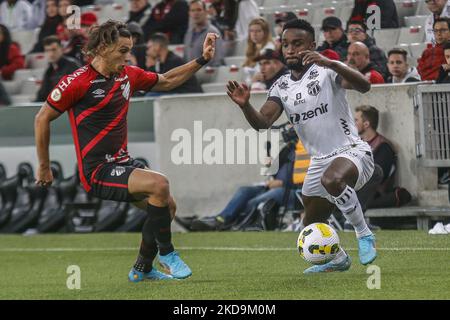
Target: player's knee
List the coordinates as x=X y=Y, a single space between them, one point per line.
x=159 y=188
x=163 y=190
x=333 y=183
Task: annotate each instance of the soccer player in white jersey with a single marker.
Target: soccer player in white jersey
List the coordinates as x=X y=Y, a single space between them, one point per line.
x=313 y=98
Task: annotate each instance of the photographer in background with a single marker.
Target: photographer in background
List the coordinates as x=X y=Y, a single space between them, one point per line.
x=279 y=188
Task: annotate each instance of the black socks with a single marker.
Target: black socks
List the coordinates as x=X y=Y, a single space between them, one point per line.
x=159 y=218
x=156 y=234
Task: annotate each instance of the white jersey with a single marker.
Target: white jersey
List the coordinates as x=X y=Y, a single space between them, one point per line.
x=317 y=107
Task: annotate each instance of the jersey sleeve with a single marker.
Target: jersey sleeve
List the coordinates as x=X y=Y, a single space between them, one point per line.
x=274 y=94
x=335 y=78
x=64 y=95
x=141 y=79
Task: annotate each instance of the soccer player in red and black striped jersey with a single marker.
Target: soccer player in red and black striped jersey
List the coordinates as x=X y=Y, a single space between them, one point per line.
x=96 y=98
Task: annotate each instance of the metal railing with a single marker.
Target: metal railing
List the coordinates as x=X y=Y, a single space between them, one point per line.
x=433 y=106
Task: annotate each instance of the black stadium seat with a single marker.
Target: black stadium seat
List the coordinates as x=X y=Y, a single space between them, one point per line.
x=29 y=202
x=111 y=215
x=8 y=191
x=134 y=221
x=62 y=192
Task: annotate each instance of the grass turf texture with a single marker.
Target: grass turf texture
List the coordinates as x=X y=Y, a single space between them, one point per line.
x=27 y=272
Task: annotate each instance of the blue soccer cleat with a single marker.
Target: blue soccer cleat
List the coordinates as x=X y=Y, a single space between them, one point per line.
x=331 y=266
x=367 y=249
x=137 y=276
x=173 y=265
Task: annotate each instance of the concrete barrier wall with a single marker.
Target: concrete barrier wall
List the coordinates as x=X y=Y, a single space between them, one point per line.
x=205 y=189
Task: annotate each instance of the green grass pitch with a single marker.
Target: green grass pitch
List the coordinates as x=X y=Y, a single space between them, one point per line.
x=226 y=265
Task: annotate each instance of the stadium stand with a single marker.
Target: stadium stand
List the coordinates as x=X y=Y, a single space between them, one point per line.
x=103 y=216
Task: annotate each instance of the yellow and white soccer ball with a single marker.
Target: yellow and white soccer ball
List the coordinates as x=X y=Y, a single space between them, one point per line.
x=318 y=243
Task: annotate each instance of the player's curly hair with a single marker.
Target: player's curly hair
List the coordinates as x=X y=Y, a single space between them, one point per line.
x=300 y=24
x=104 y=35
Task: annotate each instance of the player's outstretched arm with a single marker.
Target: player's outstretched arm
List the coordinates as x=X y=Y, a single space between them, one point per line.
x=42 y=121
x=263 y=119
x=177 y=76
x=351 y=79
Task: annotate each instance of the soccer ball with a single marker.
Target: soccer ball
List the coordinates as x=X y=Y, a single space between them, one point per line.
x=318 y=243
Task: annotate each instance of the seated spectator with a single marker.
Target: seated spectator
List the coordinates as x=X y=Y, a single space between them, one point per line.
x=271 y=68
x=433 y=56
x=247 y=11
x=399 y=68
x=61 y=30
x=48 y=28
x=138 y=52
x=280 y=21
x=140 y=11
x=196 y=34
x=59 y=66
x=358 y=58
x=219 y=17
x=78 y=38
x=232 y=17
x=11 y=58
x=38 y=13
x=170 y=17
x=438 y=9
x=160 y=60
x=289 y=177
x=16 y=15
x=384 y=154
x=335 y=38
x=357 y=31
x=388 y=10
x=444 y=70
x=259 y=39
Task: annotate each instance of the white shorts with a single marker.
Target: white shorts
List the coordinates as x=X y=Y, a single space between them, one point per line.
x=360 y=154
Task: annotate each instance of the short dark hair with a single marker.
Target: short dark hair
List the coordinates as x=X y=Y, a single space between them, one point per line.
x=369 y=113
x=446 y=45
x=51 y=40
x=442 y=19
x=198 y=1
x=401 y=51
x=302 y=25
x=160 y=38
x=358 y=22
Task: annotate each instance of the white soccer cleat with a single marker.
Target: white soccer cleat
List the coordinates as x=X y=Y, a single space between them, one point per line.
x=439 y=229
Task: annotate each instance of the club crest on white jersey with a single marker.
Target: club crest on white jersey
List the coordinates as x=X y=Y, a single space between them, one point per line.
x=317 y=107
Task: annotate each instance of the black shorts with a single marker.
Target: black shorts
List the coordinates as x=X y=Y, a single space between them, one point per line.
x=110 y=181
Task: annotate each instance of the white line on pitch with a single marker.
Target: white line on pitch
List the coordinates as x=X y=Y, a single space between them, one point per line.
x=198 y=248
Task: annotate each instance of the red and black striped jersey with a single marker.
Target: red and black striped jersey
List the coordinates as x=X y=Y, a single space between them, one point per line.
x=97 y=108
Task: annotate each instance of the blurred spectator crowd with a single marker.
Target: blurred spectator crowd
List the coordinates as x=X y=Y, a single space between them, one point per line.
x=39 y=44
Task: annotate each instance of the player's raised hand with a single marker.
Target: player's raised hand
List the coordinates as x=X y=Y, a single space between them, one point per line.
x=44 y=177
x=239 y=93
x=308 y=57
x=209 y=46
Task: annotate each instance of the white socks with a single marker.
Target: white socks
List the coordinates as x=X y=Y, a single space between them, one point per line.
x=350 y=207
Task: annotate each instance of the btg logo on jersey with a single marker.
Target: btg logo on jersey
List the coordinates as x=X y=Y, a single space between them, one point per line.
x=305 y=116
x=298 y=99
